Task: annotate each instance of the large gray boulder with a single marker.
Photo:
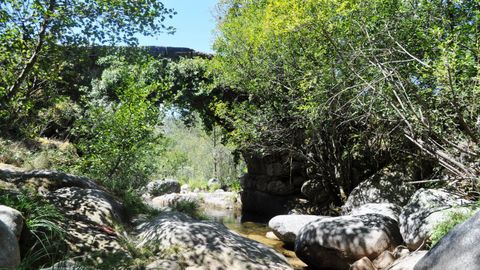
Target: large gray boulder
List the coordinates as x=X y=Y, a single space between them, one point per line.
x=337 y=242
x=387 y=209
x=162 y=187
x=13 y=219
x=386 y=186
x=206 y=245
x=286 y=227
x=9 y=248
x=458 y=250
x=425 y=210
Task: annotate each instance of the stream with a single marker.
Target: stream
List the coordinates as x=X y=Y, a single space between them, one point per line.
x=253 y=229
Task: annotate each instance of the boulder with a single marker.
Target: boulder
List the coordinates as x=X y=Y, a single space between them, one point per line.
x=408 y=262
x=426 y=209
x=457 y=250
x=162 y=187
x=206 y=245
x=383 y=187
x=271 y=235
x=219 y=200
x=91 y=216
x=13 y=219
x=172 y=199
x=286 y=227
x=9 y=248
x=384 y=260
x=387 y=209
x=337 y=242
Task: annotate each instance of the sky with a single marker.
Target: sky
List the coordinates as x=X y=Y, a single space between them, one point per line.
x=194 y=25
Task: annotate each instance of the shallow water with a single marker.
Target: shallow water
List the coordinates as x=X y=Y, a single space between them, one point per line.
x=232 y=219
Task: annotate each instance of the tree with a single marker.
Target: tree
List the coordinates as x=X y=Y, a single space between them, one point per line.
x=33 y=32
x=352 y=86
x=118 y=137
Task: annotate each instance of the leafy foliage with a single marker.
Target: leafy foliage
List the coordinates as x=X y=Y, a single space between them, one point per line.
x=351 y=86
x=35 y=38
x=117 y=136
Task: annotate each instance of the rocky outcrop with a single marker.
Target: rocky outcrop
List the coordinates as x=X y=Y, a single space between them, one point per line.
x=337 y=242
x=45 y=180
x=206 y=245
x=162 y=187
x=386 y=186
x=9 y=247
x=275 y=180
x=286 y=227
x=426 y=209
x=458 y=250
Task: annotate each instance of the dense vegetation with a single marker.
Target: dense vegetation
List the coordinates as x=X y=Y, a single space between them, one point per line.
x=352 y=86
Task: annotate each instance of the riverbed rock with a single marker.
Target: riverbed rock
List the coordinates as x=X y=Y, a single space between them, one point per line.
x=271 y=235
x=206 y=245
x=458 y=250
x=408 y=262
x=91 y=216
x=337 y=242
x=219 y=200
x=386 y=186
x=162 y=187
x=170 y=200
x=384 y=260
x=387 y=209
x=363 y=264
x=286 y=227
x=9 y=248
x=426 y=209
x=13 y=219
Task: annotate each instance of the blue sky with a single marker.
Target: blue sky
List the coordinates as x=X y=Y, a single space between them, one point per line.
x=194 y=23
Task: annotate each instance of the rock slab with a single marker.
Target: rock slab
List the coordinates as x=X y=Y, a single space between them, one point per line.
x=206 y=245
